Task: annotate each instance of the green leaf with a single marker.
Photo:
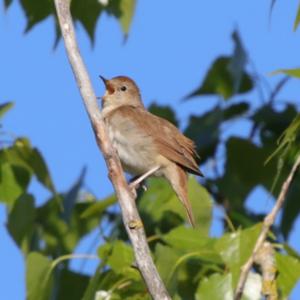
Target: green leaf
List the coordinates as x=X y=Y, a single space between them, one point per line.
x=13 y=182
x=94 y=283
x=160 y=207
x=235 y=248
x=5 y=107
x=97 y=208
x=291 y=72
x=59 y=234
x=276 y=127
x=78 y=227
x=245 y=171
x=21 y=154
x=70 y=198
x=291 y=208
x=238 y=62
x=119 y=256
x=32 y=158
x=21 y=221
x=291 y=251
x=202 y=205
x=87 y=13
x=216 y=287
x=122 y=10
x=288 y=273
x=36 y=11
x=297 y=20
x=127 y=12
x=72 y=285
x=227 y=76
x=165 y=112
x=185 y=238
x=205 y=129
x=53 y=230
x=13 y=156
x=219 y=81
x=38 y=277
x=273 y=129
x=235 y=110
x=272 y=122
x=166 y=258
x=181 y=269
x=127 y=286
x=219 y=287
x=40 y=169
x=193 y=243
x=287 y=138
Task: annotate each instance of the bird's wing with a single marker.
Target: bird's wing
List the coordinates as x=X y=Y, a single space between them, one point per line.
x=170 y=142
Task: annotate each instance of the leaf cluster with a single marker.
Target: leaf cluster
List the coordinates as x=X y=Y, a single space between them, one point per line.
x=86 y=13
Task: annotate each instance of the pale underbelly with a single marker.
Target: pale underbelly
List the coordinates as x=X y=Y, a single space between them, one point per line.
x=135 y=160
x=136 y=151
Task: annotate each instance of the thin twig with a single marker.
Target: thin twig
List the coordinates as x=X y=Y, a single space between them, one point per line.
x=131 y=218
x=278 y=88
x=268 y=222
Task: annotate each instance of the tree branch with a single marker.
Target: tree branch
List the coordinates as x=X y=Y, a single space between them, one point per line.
x=131 y=218
x=265 y=258
x=268 y=222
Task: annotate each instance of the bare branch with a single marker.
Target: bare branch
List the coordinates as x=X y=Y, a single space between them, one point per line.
x=131 y=218
x=268 y=222
x=265 y=258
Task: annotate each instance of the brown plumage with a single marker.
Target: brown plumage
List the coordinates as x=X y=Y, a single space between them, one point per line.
x=146 y=143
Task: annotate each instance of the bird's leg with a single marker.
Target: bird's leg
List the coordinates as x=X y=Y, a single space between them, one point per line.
x=133 y=179
x=135 y=183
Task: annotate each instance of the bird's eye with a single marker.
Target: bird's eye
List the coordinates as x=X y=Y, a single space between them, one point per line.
x=123 y=88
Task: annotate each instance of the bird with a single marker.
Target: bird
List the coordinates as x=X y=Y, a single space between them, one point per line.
x=146 y=144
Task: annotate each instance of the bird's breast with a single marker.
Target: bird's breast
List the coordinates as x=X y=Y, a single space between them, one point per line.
x=135 y=148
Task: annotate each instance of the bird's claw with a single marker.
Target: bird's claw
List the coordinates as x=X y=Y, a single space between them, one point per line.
x=135 y=186
x=133 y=190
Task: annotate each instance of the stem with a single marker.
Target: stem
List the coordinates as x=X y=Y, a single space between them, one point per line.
x=131 y=218
x=268 y=222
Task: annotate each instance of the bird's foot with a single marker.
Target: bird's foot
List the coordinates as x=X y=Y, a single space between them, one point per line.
x=137 y=182
x=135 y=186
x=133 y=190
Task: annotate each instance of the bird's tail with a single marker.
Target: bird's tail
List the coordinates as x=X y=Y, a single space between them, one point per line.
x=179 y=180
x=188 y=208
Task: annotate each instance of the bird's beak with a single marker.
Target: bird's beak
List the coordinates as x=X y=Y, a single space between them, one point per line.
x=103 y=79
x=108 y=85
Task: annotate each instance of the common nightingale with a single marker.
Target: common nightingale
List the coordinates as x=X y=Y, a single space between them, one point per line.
x=147 y=144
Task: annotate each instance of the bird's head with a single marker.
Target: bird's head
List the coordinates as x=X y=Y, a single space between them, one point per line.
x=120 y=91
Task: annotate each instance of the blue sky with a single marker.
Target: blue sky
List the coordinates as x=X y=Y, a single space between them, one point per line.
x=169 y=49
